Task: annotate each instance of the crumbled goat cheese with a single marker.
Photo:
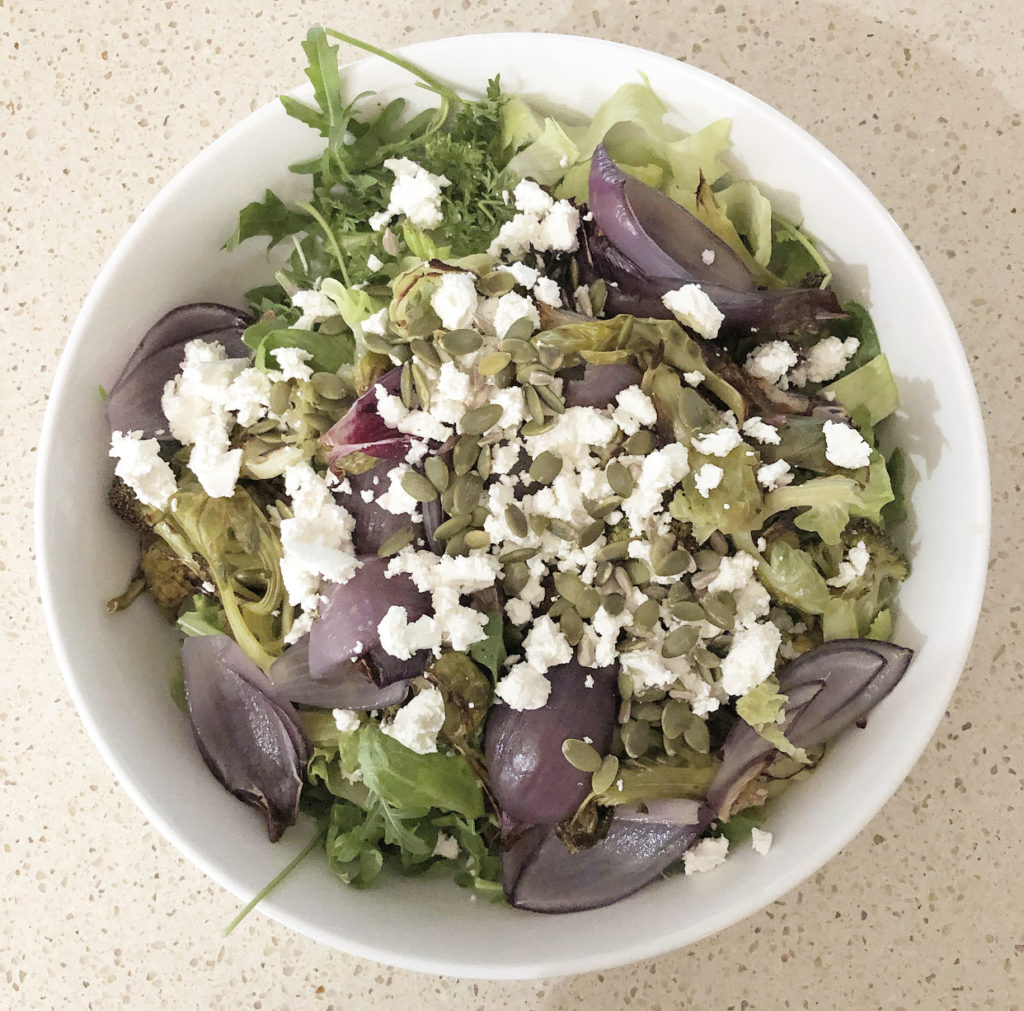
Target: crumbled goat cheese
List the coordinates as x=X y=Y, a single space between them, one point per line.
x=292 y=363
x=524 y=275
x=761 y=841
x=546 y=290
x=346 y=720
x=852 y=567
x=771 y=360
x=707 y=478
x=845 y=447
x=634 y=411
x=660 y=471
x=455 y=300
x=416 y=193
x=581 y=296
x=552 y=230
x=315 y=306
x=248 y=396
x=523 y=688
x=558 y=229
x=374 y=262
x=761 y=431
x=376 y=323
x=774 y=475
x=401 y=638
x=530 y=198
x=826 y=359
x=693 y=378
x=511 y=308
x=708 y=256
x=706 y=855
x=720 y=443
x=396 y=500
x=140 y=467
x=735 y=575
x=446 y=847
x=693 y=308
x=418 y=722
x=751 y=657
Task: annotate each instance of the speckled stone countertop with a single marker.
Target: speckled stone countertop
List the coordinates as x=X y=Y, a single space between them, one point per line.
x=103 y=101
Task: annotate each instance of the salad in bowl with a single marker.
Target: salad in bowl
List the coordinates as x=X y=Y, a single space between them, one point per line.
x=530 y=526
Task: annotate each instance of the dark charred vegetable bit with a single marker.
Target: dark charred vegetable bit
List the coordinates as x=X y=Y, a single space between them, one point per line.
x=133 y=404
x=347 y=627
x=249 y=739
x=362 y=429
x=530 y=777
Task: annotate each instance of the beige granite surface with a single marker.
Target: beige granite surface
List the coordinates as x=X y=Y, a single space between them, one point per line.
x=102 y=101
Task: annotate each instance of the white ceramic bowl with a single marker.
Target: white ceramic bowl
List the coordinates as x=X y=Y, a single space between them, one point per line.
x=117 y=667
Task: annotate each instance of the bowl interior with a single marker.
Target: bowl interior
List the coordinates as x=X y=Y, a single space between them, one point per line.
x=117 y=667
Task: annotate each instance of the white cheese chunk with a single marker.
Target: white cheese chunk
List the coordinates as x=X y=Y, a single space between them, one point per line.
x=140 y=467
x=706 y=855
x=694 y=308
x=418 y=722
x=845 y=447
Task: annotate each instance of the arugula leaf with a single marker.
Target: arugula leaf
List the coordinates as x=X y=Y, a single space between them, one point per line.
x=272 y=218
x=490 y=652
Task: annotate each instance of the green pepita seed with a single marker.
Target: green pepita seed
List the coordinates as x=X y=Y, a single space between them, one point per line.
x=720 y=609
x=679 y=591
x=603 y=573
x=450 y=527
x=696 y=735
x=606 y=775
x=674 y=718
x=649 y=712
x=377 y=343
x=398 y=540
x=599 y=510
x=518 y=555
x=419 y=380
x=705 y=658
x=328 y=385
x=516 y=520
x=521 y=351
x=401 y=353
x=613 y=603
x=505 y=378
x=521 y=329
x=571 y=625
x=437 y=473
x=569 y=585
x=687 y=610
x=562 y=530
x=674 y=563
x=419 y=487
x=477 y=539
x=496 y=283
x=478 y=517
x=638 y=571
x=639 y=443
x=588 y=602
x=679 y=641
x=558 y=608
x=550 y=357
x=636 y=738
x=552 y=399
x=534 y=406
x=620 y=479
x=532 y=427
x=280 y=397
x=480 y=419
x=406 y=388
x=539 y=524
x=483 y=463
x=707 y=560
x=493 y=362
x=456 y=546
x=461 y=342
x=517 y=575
x=590 y=533
x=645 y=617
x=466 y=492
x=613 y=552
x=581 y=755
x=464 y=455
x=424 y=352
x=546 y=467
x=657 y=592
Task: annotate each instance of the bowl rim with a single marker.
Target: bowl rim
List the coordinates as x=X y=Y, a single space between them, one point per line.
x=631 y=949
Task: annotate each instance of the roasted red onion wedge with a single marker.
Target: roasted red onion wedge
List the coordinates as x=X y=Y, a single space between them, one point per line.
x=600 y=385
x=530 y=778
x=248 y=738
x=133 y=404
x=662 y=237
x=374 y=524
x=829 y=688
x=347 y=628
x=363 y=429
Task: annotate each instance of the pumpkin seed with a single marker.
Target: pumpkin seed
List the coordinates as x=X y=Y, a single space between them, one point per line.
x=638 y=572
x=495 y=283
x=546 y=467
x=328 y=385
x=581 y=755
x=720 y=609
x=620 y=479
x=561 y=529
x=679 y=641
x=522 y=352
x=398 y=540
x=461 y=342
x=516 y=520
x=466 y=492
x=613 y=603
x=571 y=625
x=419 y=487
x=505 y=378
x=480 y=419
x=437 y=473
x=552 y=399
x=590 y=533
x=477 y=539
x=679 y=591
x=696 y=735
x=451 y=527
x=615 y=551
x=603 y=573
x=478 y=517
x=456 y=546
x=483 y=463
x=464 y=455
x=517 y=575
x=718 y=542
x=539 y=524
x=649 y=712
x=639 y=443
x=550 y=357
x=419 y=379
x=377 y=343
x=406 y=387
x=558 y=608
x=674 y=563
x=280 y=397
x=532 y=427
x=705 y=658
x=606 y=775
x=588 y=602
x=534 y=406
x=646 y=616
x=521 y=329
x=400 y=352
x=687 y=610
x=707 y=560
x=518 y=555
x=674 y=718
x=424 y=351
x=599 y=510
x=493 y=362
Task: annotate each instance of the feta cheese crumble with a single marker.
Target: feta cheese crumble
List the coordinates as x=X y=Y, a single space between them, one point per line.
x=705 y=855
x=708 y=478
x=720 y=443
x=418 y=722
x=852 y=567
x=774 y=475
x=761 y=841
x=845 y=446
x=771 y=360
x=416 y=193
x=761 y=431
x=694 y=308
x=140 y=467
x=455 y=300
